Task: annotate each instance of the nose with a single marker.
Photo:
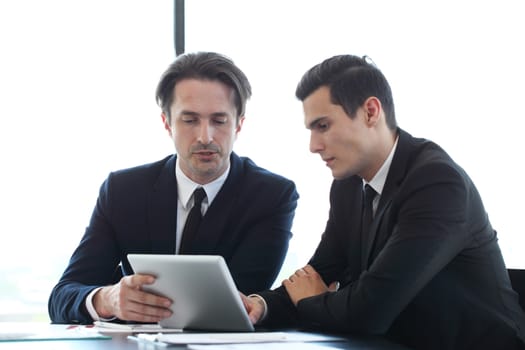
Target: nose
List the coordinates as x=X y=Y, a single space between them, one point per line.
x=316 y=144
x=205 y=132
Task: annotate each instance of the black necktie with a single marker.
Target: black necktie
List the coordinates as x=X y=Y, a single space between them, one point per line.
x=367 y=217
x=192 y=221
x=368 y=209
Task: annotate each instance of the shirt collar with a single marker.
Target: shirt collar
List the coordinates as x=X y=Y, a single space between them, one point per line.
x=379 y=179
x=185 y=186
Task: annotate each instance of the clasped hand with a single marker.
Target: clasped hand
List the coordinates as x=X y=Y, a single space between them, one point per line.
x=306 y=282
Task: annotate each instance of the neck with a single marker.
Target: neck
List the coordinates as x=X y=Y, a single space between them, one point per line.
x=386 y=141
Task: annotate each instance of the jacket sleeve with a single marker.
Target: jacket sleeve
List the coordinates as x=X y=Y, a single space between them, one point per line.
x=87 y=268
x=266 y=231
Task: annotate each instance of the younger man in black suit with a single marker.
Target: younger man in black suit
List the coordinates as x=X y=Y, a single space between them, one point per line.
x=422 y=265
x=247 y=210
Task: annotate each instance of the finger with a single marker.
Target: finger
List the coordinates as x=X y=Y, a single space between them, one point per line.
x=145 y=315
x=138 y=280
x=149 y=310
x=255 y=313
x=245 y=301
x=133 y=298
x=254 y=318
x=156 y=300
x=256 y=308
x=142 y=311
x=300 y=272
x=309 y=269
x=334 y=286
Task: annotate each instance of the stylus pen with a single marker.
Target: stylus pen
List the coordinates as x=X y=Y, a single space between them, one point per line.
x=147 y=339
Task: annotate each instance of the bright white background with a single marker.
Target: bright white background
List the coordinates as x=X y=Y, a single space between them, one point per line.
x=77 y=82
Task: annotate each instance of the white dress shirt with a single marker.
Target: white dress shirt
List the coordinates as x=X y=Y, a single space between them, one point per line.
x=379 y=179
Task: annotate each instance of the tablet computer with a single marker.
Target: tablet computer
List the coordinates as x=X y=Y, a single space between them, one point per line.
x=204 y=294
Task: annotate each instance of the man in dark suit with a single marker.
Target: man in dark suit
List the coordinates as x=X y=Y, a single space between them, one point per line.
x=426 y=270
x=248 y=211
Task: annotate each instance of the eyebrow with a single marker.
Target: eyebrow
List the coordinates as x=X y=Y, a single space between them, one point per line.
x=316 y=121
x=188 y=113
x=220 y=114
x=196 y=114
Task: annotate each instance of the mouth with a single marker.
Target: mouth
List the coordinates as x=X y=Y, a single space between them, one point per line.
x=205 y=155
x=328 y=161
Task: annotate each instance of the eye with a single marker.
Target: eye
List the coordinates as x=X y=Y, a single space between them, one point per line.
x=322 y=126
x=220 y=120
x=189 y=120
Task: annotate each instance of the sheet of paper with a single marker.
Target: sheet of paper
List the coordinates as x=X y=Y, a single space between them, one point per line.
x=248 y=337
x=111 y=327
x=22 y=331
x=259 y=346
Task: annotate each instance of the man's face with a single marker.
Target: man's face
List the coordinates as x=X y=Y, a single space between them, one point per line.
x=203 y=127
x=343 y=143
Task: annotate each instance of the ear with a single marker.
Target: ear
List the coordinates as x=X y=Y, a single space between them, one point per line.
x=166 y=123
x=239 y=125
x=372 y=107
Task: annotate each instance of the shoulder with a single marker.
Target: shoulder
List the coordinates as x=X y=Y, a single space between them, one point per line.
x=423 y=159
x=252 y=177
x=143 y=174
x=257 y=174
x=433 y=162
x=424 y=170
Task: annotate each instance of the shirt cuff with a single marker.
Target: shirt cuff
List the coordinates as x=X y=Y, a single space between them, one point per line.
x=91 y=309
x=263 y=303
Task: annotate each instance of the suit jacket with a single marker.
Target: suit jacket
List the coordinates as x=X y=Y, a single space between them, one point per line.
x=429 y=274
x=248 y=223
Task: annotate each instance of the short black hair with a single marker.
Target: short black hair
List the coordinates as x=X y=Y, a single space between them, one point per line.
x=351 y=80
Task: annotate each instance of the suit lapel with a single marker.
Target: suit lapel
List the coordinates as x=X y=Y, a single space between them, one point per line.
x=162 y=210
x=373 y=234
x=366 y=237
